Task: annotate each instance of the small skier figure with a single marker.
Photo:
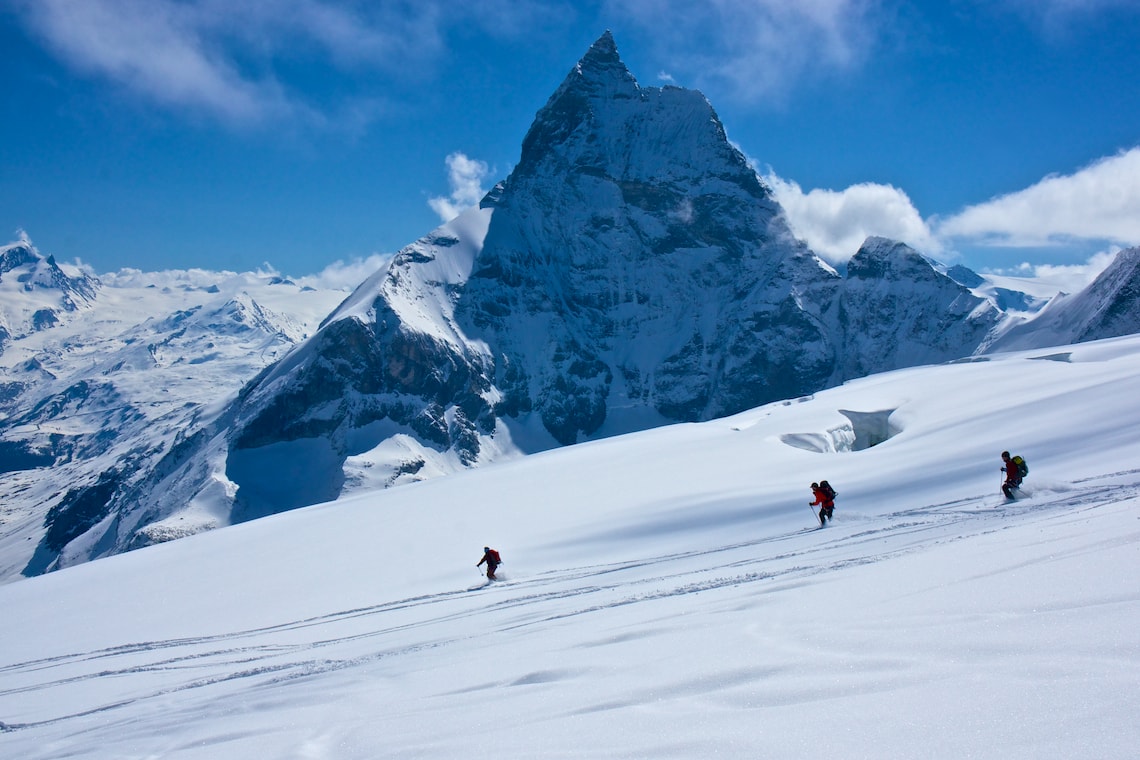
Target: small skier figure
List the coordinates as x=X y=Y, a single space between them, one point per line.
x=1014 y=470
x=824 y=499
x=491 y=557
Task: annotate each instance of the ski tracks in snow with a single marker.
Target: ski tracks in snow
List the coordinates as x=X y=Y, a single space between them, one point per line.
x=143 y=672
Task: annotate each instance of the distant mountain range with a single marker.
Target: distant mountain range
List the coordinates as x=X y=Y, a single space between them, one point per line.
x=631 y=271
x=101 y=380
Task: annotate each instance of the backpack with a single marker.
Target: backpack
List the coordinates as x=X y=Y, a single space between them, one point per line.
x=493 y=556
x=828 y=491
x=1022 y=467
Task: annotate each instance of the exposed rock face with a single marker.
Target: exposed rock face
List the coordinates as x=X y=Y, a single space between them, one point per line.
x=632 y=270
x=897 y=311
x=645 y=250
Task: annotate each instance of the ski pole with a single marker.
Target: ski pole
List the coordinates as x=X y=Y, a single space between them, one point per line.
x=811 y=507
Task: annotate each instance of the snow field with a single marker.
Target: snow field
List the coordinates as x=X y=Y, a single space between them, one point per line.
x=664 y=596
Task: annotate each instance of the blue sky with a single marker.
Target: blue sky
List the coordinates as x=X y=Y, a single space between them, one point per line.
x=313 y=135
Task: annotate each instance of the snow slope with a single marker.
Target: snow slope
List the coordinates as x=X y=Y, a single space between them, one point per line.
x=664 y=596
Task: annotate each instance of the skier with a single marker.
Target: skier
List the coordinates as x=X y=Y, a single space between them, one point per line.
x=491 y=557
x=1014 y=469
x=824 y=499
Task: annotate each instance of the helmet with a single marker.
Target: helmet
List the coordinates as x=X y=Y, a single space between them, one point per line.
x=486 y=549
x=815 y=485
x=1005 y=455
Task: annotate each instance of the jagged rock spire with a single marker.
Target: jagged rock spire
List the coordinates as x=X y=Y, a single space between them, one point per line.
x=599 y=77
x=601 y=71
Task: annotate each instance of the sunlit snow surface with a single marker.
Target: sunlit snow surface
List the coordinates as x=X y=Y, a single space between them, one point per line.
x=664 y=595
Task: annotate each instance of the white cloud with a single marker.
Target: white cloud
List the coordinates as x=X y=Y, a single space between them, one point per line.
x=340 y=275
x=159 y=50
x=834 y=223
x=1045 y=280
x=345 y=275
x=465 y=177
x=763 y=47
x=224 y=59
x=1099 y=202
x=1084 y=273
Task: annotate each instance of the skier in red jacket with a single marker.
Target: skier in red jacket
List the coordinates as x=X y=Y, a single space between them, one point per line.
x=824 y=499
x=1013 y=474
x=491 y=557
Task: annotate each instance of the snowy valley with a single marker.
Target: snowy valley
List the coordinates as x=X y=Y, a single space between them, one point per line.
x=664 y=594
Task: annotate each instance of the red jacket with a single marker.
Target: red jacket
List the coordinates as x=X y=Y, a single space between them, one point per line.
x=1012 y=472
x=821 y=498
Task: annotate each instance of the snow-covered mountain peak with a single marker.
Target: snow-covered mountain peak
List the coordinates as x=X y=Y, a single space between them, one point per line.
x=36 y=293
x=600 y=122
x=880 y=257
x=92 y=404
x=600 y=73
x=631 y=271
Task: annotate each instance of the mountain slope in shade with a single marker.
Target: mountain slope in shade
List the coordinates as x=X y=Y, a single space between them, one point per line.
x=897 y=310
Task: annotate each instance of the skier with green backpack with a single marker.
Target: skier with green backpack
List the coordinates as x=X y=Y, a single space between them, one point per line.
x=1015 y=470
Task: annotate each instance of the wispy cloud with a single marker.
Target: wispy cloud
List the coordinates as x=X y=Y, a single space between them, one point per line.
x=232 y=61
x=465 y=177
x=834 y=223
x=343 y=275
x=1099 y=202
x=160 y=50
x=755 y=49
x=1060 y=18
x=1071 y=278
x=1054 y=278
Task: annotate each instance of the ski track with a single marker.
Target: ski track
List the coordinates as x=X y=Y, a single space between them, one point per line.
x=218 y=659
